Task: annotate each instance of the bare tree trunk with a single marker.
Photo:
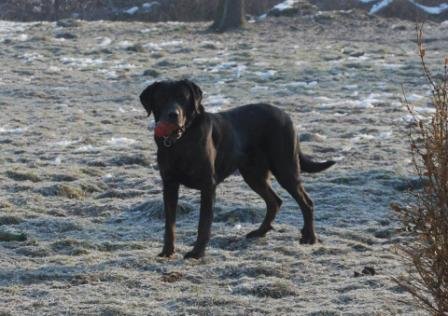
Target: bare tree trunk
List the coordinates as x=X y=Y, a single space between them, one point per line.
x=229 y=15
x=56 y=8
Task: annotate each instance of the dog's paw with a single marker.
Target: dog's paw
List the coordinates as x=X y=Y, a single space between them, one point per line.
x=194 y=254
x=166 y=253
x=260 y=232
x=256 y=234
x=309 y=239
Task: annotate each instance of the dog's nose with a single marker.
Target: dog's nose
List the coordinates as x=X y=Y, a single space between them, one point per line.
x=173 y=115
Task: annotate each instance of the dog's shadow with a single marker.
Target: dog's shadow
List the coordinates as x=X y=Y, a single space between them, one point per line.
x=231 y=243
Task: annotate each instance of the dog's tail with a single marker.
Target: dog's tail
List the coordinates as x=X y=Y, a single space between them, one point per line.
x=308 y=165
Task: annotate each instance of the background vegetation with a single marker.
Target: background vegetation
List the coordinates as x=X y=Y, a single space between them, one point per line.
x=178 y=10
x=427 y=254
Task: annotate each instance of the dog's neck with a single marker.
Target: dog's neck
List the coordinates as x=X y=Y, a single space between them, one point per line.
x=170 y=141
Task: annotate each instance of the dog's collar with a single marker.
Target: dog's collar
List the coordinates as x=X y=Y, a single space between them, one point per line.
x=169 y=141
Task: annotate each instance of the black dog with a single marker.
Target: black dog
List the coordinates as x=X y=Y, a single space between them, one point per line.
x=204 y=148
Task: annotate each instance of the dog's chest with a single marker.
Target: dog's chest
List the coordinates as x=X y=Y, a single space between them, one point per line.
x=189 y=168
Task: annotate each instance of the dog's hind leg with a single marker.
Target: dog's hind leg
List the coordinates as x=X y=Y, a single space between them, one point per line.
x=257 y=179
x=289 y=179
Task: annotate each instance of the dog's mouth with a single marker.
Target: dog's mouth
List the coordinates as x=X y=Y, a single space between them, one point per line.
x=170 y=130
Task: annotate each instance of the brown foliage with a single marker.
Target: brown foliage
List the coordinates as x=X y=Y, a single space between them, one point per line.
x=427 y=255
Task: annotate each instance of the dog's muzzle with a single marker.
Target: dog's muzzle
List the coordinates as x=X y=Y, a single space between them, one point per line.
x=169 y=132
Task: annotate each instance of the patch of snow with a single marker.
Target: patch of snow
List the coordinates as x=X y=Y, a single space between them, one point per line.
x=66 y=142
x=81 y=62
x=369 y=101
x=365 y=102
x=359 y=59
x=240 y=69
x=149 y=5
x=385 y=135
x=109 y=74
x=433 y=9
x=444 y=24
x=17 y=130
x=53 y=70
x=163 y=45
x=105 y=41
x=125 y=44
x=86 y=149
x=285 y=5
x=265 y=75
x=424 y=110
x=11 y=27
x=9 y=30
x=22 y=37
x=30 y=57
x=108 y=176
x=391 y=66
x=214 y=103
x=224 y=66
x=304 y=84
x=131 y=109
x=259 y=88
x=351 y=87
x=148 y=30
x=347 y=148
x=201 y=60
x=125 y=66
x=414 y=97
x=338 y=158
x=408 y=118
x=380 y=5
x=362 y=137
x=57 y=161
x=132 y=11
x=175 y=23
x=120 y=141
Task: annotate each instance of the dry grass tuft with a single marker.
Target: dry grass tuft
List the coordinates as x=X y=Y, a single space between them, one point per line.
x=63 y=190
x=10 y=220
x=271 y=287
x=22 y=176
x=427 y=220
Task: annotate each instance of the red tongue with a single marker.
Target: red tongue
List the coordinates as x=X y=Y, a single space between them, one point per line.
x=164 y=129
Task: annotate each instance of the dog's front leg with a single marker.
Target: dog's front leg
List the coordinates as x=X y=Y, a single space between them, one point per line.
x=205 y=223
x=170 y=197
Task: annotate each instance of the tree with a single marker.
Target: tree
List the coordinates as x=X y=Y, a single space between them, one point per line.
x=229 y=15
x=56 y=8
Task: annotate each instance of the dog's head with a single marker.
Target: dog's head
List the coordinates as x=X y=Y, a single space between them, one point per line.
x=173 y=102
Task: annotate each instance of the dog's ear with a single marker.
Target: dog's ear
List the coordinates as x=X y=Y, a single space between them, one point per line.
x=196 y=95
x=146 y=97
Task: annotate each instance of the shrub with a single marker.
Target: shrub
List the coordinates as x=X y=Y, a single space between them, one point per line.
x=427 y=219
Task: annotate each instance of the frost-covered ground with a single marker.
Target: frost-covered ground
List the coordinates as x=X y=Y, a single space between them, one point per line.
x=78 y=172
